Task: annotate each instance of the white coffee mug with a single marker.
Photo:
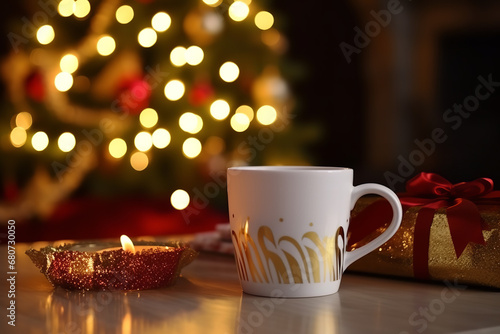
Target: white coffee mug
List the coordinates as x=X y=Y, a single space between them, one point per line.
x=289 y=225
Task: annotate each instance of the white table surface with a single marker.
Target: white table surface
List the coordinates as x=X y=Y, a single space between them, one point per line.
x=208 y=299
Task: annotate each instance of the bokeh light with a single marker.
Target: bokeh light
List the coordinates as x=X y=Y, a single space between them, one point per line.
x=81 y=8
x=238 y=11
x=194 y=55
x=177 y=56
x=179 y=199
x=18 y=136
x=213 y=22
x=24 y=120
x=190 y=122
x=124 y=14
x=174 y=90
x=139 y=161
x=65 y=8
x=191 y=148
x=161 y=21
x=271 y=37
x=40 y=141
x=69 y=63
x=214 y=145
x=66 y=142
x=240 y=122
x=148 y=118
x=147 y=37
x=143 y=141
x=266 y=115
x=264 y=20
x=229 y=71
x=45 y=34
x=106 y=45
x=247 y=110
x=219 y=109
x=63 y=81
x=161 y=138
x=212 y=3
x=117 y=148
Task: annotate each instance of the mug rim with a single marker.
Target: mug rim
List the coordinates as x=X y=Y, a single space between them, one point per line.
x=290 y=169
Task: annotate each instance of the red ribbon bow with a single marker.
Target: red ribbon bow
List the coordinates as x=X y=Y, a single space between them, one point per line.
x=431 y=192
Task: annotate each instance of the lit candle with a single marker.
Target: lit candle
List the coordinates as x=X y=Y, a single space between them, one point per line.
x=96 y=266
x=128 y=246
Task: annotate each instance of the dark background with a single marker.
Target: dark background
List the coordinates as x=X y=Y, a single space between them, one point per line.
x=337 y=93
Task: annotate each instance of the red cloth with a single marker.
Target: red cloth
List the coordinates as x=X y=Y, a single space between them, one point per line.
x=93 y=218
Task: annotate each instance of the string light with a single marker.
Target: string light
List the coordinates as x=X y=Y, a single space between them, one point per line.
x=147 y=37
x=191 y=148
x=117 y=148
x=174 y=90
x=148 y=118
x=190 y=122
x=143 y=141
x=264 y=20
x=238 y=11
x=18 y=136
x=180 y=199
x=213 y=22
x=194 y=55
x=161 y=21
x=177 y=57
x=66 y=142
x=139 y=161
x=69 y=63
x=63 y=81
x=219 y=109
x=266 y=115
x=124 y=14
x=106 y=45
x=45 y=34
x=40 y=141
x=161 y=138
x=229 y=71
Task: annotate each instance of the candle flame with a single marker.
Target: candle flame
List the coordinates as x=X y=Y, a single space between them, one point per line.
x=127 y=244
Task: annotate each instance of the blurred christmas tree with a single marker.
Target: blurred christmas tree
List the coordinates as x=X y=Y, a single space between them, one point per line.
x=143 y=96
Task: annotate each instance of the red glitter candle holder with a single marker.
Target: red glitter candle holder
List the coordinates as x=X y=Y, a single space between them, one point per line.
x=79 y=267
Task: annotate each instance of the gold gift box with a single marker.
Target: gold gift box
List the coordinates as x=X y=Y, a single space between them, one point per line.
x=477 y=265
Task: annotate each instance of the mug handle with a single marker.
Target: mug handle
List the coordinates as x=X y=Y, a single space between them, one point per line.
x=397 y=215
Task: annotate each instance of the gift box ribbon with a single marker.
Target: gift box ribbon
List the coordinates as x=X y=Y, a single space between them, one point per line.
x=431 y=192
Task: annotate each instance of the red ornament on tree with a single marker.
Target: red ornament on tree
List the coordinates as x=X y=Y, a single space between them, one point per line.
x=133 y=95
x=200 y=93
x=34 y=86
x=11 y=191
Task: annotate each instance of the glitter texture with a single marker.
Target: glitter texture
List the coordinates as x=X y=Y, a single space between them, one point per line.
x=478 y=264
x=74 y=269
